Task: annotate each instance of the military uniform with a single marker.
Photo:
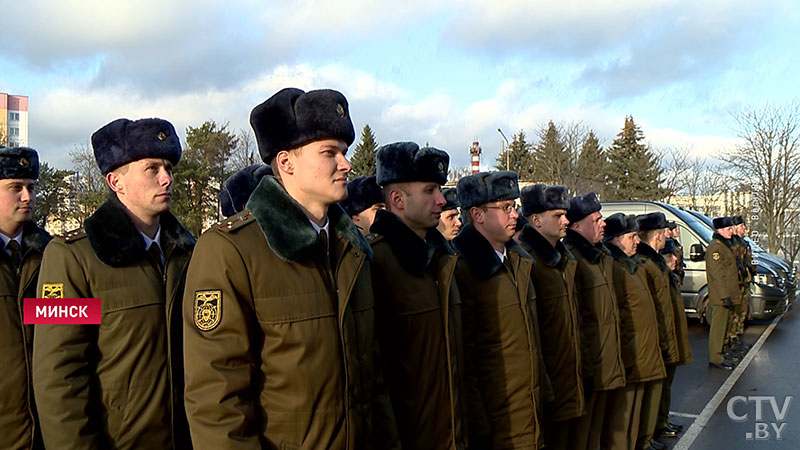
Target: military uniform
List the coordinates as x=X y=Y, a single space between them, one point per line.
x=505 y=381
x=554 y=280
x=118 y=384
x=418 y=314
x=723 y=288
x=657 y=275
x=418 y=319
x=602 y=363
x=279 y=313
x=641 y=350
x=502 y=350
x=18 y=421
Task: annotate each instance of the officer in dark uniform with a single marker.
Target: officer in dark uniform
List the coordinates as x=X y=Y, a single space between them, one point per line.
x=364 y=199
x=236 y=189
x=119 y=384
x=418 y=314
x=746 y=274
x=449 y=222
x=23 y=244
x=723 y=287
x=553 y=276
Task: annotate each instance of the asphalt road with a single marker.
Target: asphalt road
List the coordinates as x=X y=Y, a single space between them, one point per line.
x=749 y=408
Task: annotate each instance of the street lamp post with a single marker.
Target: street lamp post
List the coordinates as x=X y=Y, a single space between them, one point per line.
x=503 y=148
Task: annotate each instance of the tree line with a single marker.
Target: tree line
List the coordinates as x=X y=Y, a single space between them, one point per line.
x=765 y=164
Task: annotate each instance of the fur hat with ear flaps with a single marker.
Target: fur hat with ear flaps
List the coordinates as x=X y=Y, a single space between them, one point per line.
x=581 y=206
x=292 y=118
x=722 y=222
x=619 y=224
x=400 y=162
x=362 y=193
x=539 y=198
x=19 y=162
x=123 y=141
x=651 y=221
x=485 y=187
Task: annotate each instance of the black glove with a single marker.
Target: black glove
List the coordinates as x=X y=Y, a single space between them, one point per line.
x=727 y=303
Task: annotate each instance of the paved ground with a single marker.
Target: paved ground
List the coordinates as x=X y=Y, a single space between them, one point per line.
x=768 y=379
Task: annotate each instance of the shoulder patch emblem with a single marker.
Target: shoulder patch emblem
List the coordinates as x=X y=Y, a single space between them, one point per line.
x=715 y=256
x=53 y=290
x=207 y=309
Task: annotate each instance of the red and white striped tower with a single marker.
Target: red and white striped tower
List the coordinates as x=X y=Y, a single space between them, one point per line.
x=475 y=151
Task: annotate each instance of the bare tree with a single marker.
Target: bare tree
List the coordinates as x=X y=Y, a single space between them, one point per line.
x=768 y=159
x=677 y=175
x=791 y=241
x=457 y=173
x=87 y=185
x=245 y=153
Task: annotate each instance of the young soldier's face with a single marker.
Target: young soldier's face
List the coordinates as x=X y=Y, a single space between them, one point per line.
x=627 y=243
x=145 y=186
x=17 y=197
x=449 y=224
x=320 y=170
x=364 y=219
x=423 y=204
x=552 y=224
x=726 y=232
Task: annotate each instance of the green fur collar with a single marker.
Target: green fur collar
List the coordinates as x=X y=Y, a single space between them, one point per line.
x=630 y=262
x=534 y=242
x=116 y=241
x=479 y=253
x=645 y=251
x=591 y=253
x=287 y=229
x=34 y=238
x=414 y=254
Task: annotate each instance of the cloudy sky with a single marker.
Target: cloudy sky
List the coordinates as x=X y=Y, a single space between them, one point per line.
x=442 y=72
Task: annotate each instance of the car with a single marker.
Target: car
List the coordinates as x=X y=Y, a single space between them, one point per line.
x=768 y=294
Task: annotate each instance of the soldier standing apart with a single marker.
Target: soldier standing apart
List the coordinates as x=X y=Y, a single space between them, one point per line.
x=652 y=229
x=545 y=208
x=601 y=362
x=278 y=308
x=723 y=287
x=23 y=242
x=641 y=352
x=449 y=222
x=503 y=365
x=672 y=255
x=119 y=384
x=364 y=200
x=418 y=313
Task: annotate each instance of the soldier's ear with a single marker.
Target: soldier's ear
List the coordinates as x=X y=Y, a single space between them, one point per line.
x=283 y=161
x=114 y=181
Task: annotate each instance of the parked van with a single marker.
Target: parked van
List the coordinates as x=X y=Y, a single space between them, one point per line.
x=769 y=296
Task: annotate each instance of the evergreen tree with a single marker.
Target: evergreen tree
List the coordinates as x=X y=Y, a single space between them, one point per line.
x=52 y=196
x=517 y=157
x=363 y=159
x=551 y=160
x=200 y=173
x=633 y=169
x=591 y=167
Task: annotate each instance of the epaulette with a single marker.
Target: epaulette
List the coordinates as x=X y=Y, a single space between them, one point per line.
x=73 y=235
x=235 y=221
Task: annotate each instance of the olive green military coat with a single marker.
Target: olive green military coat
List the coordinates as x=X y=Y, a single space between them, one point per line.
x=721 y=272
x=638 y=322
x=418 y=325
x=118 y=384
x=681 y=326
x=657 y=274
x=504 y=371
x=559 y=322
x=17 y=411
x=600 y=323
x=279 y=337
